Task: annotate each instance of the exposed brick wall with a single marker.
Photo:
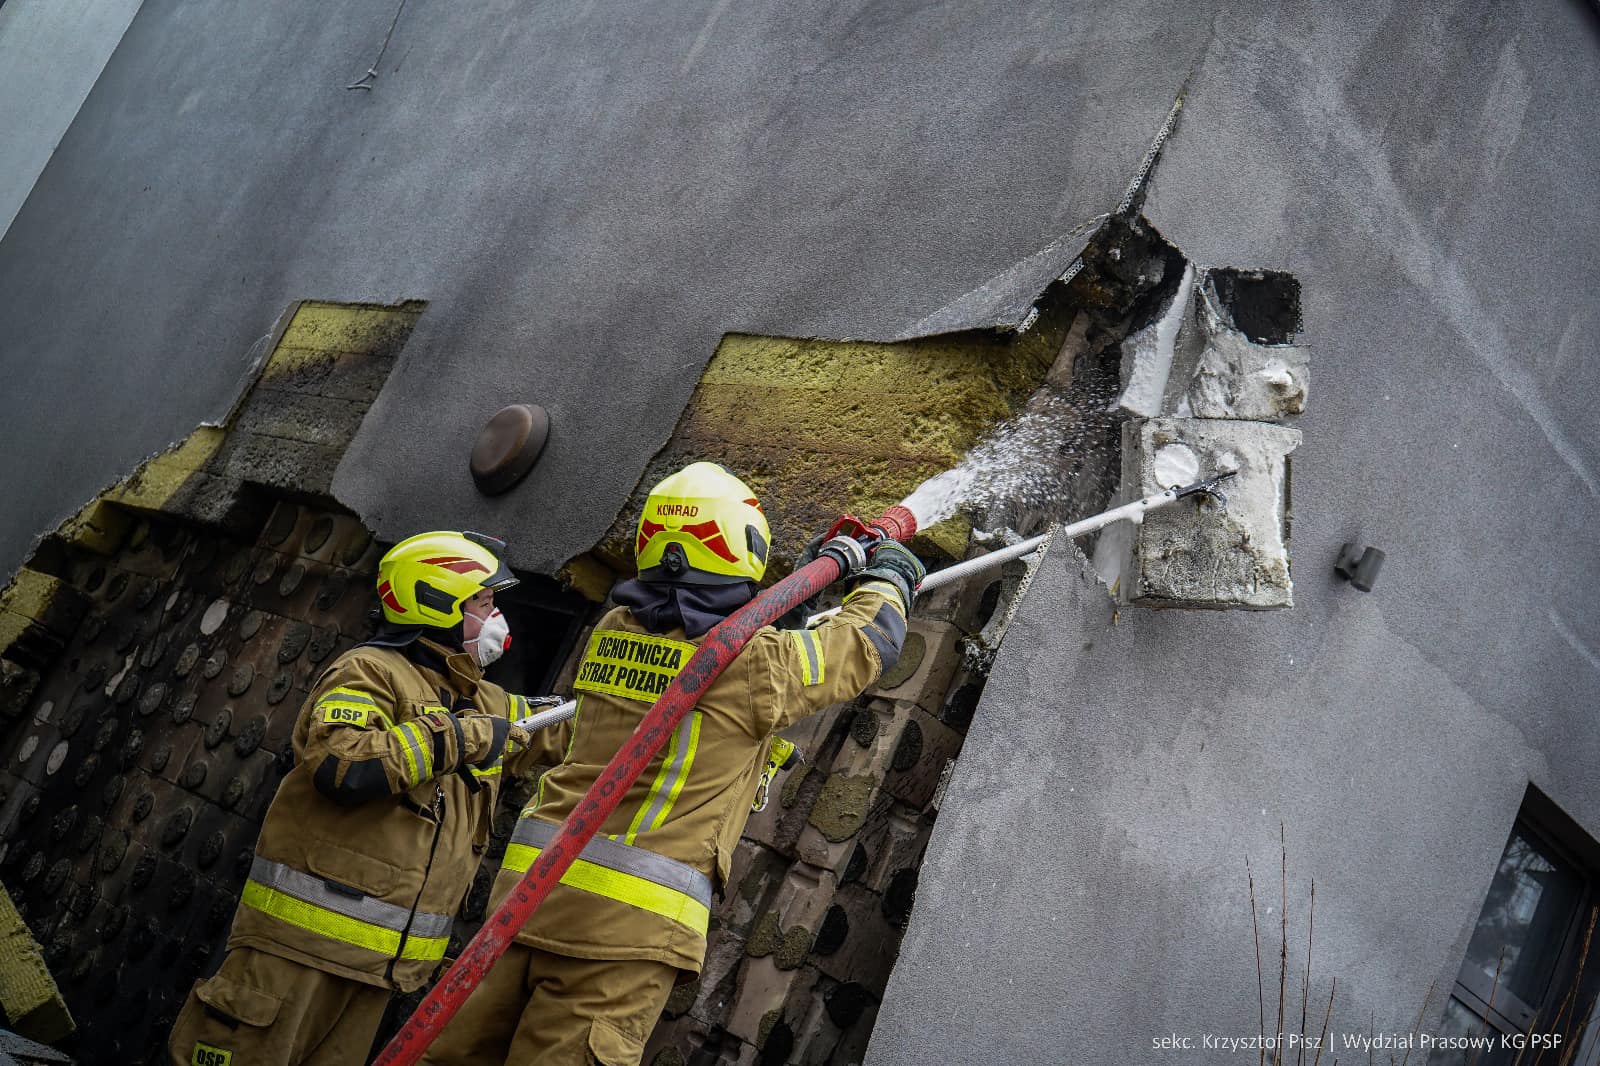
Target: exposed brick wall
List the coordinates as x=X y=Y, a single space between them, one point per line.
x=137 y=775
x=153 y=656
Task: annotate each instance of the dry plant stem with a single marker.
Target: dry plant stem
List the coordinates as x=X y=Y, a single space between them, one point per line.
x=1566 y=1003
x=1577 y=981
x=1422 y=1012
x=1283 y=933
x=1324 y=1039
x=1305 y=989
x=1572 y=1048
x=1477 y=1053
x=1532 y=1027
x=1261 y=994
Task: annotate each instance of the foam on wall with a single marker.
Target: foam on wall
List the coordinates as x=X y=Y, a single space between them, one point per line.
x=1197 y=554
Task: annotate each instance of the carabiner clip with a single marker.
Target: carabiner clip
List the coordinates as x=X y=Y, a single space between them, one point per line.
x=780 y=756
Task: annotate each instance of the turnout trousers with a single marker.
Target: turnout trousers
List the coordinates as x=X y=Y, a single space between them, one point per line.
x=261 y=1010
x=537 y=1007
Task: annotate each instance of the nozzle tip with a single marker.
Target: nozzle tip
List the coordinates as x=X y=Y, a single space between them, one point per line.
x=898 y=523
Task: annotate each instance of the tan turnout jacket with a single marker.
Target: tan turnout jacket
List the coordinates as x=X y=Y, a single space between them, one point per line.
x=372 y=840
x=643 y=889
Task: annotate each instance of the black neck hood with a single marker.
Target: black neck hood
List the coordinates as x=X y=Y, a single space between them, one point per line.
x=661 y=607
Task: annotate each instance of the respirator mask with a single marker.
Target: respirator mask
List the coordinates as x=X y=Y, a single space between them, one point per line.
x=494 y=637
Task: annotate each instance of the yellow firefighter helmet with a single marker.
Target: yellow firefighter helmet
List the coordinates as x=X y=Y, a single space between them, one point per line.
x=702 y=526
x=424 y=579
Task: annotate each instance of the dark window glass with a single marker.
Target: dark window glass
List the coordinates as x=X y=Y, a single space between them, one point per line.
x=1530 y=907
x=1522 y=962
x=1460 y=1021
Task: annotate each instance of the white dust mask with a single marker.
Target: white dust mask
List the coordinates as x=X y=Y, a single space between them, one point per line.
x=494 y=637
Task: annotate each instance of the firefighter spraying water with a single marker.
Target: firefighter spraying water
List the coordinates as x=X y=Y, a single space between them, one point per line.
x=605 y=892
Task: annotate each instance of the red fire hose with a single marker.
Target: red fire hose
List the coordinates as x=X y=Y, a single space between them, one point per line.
x=718 y=650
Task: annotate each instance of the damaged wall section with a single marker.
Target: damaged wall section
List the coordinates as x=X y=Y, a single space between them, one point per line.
x=802 y=946
x=167 y=635
x=153 y=654
x=818 y=425
x=1206 y=386
x=219 y=639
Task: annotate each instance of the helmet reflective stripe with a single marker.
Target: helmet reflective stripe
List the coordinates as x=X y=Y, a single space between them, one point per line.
x=457 y=565
x=704 y=526
x=386 y=594
x=423 y=580
x=708 y=534
x=647 y=529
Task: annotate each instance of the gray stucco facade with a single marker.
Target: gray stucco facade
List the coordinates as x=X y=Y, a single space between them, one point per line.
x=589 y=196
x=1423 y=175
x=51 y=54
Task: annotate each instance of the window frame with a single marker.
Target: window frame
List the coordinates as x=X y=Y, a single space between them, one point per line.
x=1553 y=830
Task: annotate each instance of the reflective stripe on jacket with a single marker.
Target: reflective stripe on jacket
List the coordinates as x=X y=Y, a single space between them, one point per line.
x=373 y=837
x=617 y=871
x=690 y=805
x=338 y=914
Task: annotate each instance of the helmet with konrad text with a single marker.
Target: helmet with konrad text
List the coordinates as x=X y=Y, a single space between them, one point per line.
x=702 y=526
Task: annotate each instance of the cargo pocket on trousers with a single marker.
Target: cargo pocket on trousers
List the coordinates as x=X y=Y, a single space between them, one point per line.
x=235 y=1004
x=609 y=1046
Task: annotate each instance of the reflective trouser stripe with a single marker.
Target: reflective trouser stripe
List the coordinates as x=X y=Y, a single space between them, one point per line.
x=812 y=665
x=664 y=790
x=305 y=901
x=333 y=926
x=629 y=875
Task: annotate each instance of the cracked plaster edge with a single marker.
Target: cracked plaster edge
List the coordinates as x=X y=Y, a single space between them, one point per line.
x=996 y=305
x=257 y=356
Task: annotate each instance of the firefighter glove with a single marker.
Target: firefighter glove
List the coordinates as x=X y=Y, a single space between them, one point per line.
x=891 y=561
x=487 y=748
x=519 y=738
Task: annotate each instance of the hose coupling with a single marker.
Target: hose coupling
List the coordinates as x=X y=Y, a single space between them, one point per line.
x=850 y=553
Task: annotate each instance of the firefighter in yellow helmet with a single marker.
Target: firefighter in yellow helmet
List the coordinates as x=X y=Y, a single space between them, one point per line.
x=372 y=840
x=588 y=975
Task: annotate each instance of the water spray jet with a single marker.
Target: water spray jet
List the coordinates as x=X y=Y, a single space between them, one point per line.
x=903 y=522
